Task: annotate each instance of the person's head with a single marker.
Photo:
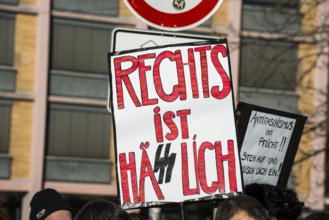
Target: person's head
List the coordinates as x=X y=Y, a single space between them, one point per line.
x=241 y=207
x=318 y=216
x=101 y=209
x=48 y=204
x=281 y=204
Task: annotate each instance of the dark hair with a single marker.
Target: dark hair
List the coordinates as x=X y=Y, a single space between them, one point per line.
x=102 y=209
x=318 y=216
x=280 y=203
x=242 y=203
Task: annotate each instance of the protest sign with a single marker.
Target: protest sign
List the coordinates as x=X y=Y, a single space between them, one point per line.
x=268 y=141
x=174 y=122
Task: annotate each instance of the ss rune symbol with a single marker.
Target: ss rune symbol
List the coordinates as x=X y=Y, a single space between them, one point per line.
x=179 y=4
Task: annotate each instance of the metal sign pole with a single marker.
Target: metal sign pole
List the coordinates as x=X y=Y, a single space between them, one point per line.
x=182 y=211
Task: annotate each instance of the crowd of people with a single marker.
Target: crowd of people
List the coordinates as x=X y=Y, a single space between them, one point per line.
x=48 y=204
x=259 y=202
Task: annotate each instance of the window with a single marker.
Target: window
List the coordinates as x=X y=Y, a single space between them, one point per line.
x=98 y=7
x=79 y=65
x=268 y=67
x=79 y=131
x=5 y=116
x=7 y=72
x=268 y=64
x=271 y=16
x=78 y=141
x=7 y=24
x=8 y=1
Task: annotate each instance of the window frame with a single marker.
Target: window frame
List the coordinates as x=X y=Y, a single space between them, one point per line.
x=71 y=82
x=255 y=95
x=72 y=168
x=291 y=25
x=5 y=127
x=61 y=7
x=288 y=46
x=9 y=2
x=7 y=70
x=77 y=109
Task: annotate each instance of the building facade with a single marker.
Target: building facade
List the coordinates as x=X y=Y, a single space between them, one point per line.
x=55 y=130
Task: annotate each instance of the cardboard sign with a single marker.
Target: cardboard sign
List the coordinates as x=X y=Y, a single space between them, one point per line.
x=174 y=122
x=121 y=39
x=268 y=141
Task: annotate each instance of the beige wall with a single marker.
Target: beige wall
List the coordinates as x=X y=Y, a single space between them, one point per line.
x=305 y=106
x=308 y=171
x=25 y=49
x=28 y=2
x=124 y=11
x=22 y=111
x=220 y=17
x=112 y=154
x=20 y=139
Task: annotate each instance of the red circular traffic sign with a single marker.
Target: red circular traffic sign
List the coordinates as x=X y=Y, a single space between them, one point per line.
x=173 y=15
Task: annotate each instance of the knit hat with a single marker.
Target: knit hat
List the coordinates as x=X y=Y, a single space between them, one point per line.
x=46 y=202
